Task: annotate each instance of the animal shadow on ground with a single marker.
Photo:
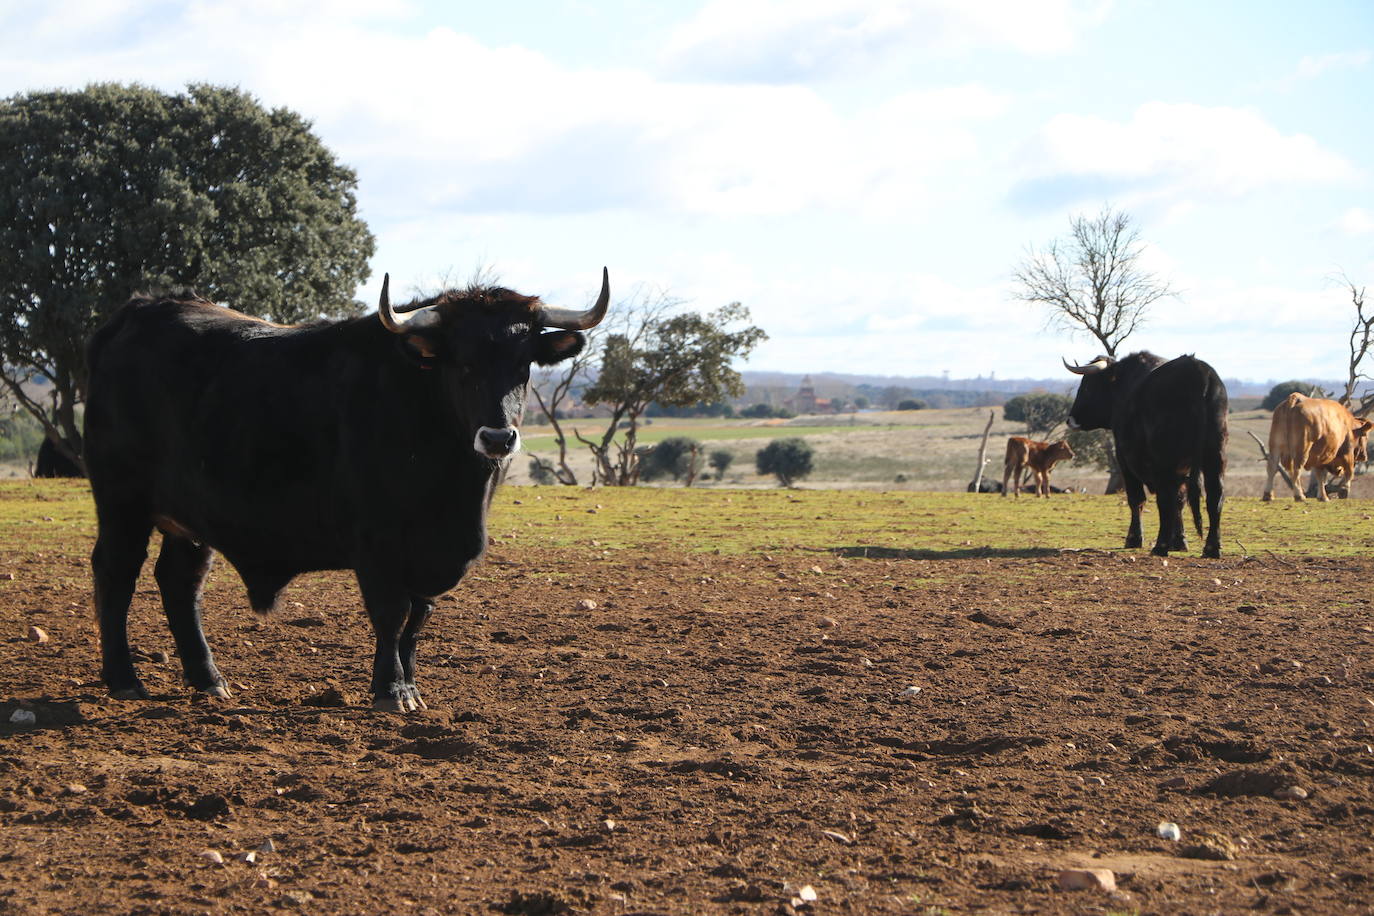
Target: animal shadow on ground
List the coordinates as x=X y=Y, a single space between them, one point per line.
x=869 y=552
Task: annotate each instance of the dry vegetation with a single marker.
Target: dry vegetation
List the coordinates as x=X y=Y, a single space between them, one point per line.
x=926 y=449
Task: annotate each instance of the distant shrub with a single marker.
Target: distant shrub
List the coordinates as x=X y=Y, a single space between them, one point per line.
x=541 y=473
x=720 y=460
x=789 y=460
x=1280 y=392
x=911 y=404
x=676 y=457
x=1040 y=411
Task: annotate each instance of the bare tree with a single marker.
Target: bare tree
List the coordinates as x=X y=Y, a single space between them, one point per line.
x=1093 y=281
x=552 y=388
x=1361 y=339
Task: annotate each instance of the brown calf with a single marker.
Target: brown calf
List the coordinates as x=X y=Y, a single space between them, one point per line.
x=1038 y=457
x=1318 y=435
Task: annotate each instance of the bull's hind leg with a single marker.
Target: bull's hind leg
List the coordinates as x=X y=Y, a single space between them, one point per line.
x=1135 y=499
x=1171 y=533
x=180 y=571
x=1212 y=547
x=121 y=546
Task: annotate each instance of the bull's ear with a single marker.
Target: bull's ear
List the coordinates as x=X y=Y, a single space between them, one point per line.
x=555 y=346
x=1362 y=426
x=421 y=349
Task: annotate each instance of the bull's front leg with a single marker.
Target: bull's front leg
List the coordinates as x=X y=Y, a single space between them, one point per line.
x=420 y=609
x=389 y=608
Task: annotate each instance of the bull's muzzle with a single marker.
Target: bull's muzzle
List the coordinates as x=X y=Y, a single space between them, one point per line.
x=497 y=443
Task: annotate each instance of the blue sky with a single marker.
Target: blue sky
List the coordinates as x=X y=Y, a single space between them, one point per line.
x=864 y=175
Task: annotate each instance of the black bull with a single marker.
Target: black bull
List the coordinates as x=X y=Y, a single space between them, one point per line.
x=1168 y=420
x=372 y=444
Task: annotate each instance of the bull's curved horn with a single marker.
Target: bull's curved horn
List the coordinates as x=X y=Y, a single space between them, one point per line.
x=1091 y=368
x=393 y=320
x=573 y=320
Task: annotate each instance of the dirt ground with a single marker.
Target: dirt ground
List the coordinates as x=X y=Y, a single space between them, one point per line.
x=717 y=735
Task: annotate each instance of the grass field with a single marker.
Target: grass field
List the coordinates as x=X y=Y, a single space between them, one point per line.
x=843 y=522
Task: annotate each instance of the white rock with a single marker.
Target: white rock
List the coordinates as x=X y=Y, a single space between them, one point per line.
x=38 y=635
x=586 y=604
x=910 y=692
x=1291 y=793
x=23 y=717
x=1168 y=830
x=1087 y=879
x=267 y=846
x=213 y=857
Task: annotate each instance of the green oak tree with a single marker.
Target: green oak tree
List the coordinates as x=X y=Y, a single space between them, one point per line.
x=113 y=189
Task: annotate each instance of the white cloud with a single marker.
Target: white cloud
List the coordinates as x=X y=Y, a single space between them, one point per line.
x=1169 y=153
x=1312 y=67
x=786 y=40
x=1356 y=221
x=445 y=121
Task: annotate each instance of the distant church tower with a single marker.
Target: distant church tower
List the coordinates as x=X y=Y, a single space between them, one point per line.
x=806 y=396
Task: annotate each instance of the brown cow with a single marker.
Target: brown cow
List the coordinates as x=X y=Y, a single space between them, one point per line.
x=1038 y=457
x=1318 y=435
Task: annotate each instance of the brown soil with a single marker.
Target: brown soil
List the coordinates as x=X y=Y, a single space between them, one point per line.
x=717 y=734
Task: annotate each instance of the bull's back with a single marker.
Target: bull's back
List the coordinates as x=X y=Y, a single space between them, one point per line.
x=196 y=415
x=1176 y=422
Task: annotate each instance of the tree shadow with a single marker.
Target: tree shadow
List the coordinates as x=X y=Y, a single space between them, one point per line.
x=862 y=552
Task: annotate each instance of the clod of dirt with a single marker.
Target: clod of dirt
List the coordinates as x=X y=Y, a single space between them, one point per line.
x=38 y=635
x=1214 y=847
x=295 y=898
x=208 y=808
x=1279 y=665
x=991 y=620
x=1247 y=782
x=331 y=697
x=1087 y=879
x=539 y=903
x=827 y=623
x=75 y=788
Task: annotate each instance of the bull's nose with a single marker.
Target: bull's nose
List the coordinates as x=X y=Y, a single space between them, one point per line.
x=497 y=443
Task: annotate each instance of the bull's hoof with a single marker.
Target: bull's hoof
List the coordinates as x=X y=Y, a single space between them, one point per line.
x=136 y=692
x=406 y=699
x=1159 y=551
x=216 y=691
x=1134 y=543
x=1267 y=498
x=1211 y=553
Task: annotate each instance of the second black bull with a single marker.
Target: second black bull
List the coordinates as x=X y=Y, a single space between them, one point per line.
x=1168 y=420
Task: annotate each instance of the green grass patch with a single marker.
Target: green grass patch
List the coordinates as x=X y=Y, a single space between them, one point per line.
x=58 y=516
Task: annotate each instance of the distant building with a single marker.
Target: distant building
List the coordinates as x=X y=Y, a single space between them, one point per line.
x=805 y=400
